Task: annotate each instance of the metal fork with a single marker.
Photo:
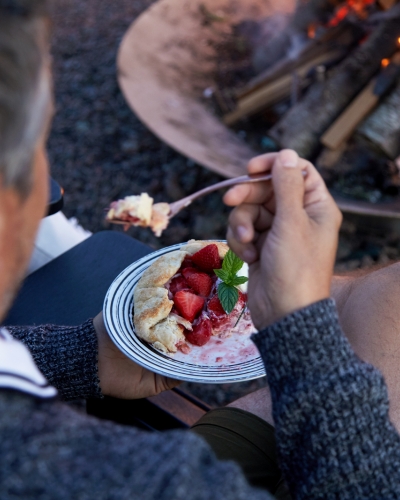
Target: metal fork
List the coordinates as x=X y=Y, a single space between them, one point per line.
x=177 y=206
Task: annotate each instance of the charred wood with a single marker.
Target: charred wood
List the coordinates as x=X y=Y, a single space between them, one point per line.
x=278 y=89
x=382 y=127
x=387 y=4
x=302 y=126
x=308 y=12
x=342 y=129
x=344 y=35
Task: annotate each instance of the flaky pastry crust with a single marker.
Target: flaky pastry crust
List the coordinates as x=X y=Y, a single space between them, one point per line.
x=152 y=307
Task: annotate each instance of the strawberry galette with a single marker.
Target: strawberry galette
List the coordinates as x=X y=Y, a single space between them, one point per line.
x=140 y=211
x=176 y=302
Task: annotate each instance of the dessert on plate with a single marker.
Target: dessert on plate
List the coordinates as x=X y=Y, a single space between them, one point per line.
x=139 y=210
x=177 y=300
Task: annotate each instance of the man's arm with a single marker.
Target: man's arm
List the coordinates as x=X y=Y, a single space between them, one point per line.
x=83 y=362
x=50 y=451
x=368 y=304
x=66 y=355
x=330 y=409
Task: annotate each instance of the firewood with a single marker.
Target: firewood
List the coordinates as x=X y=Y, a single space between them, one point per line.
x=329 y=158
x=387 y=4
x=275 y=91
x=341 y=130
x=301 y=128
x=344 y=35
x=382 y=127
x=362 y=105
x=306 y=14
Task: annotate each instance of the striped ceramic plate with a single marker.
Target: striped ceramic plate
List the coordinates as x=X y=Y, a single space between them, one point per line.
x=232 y=360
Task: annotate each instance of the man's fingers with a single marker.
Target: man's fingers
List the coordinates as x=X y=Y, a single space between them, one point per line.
x=261 y=164
x=258 y=192
x=245 y=251
x=245 y=222
x=288 y=183
x=165 y=383
x=318 y=202
x=248 y=219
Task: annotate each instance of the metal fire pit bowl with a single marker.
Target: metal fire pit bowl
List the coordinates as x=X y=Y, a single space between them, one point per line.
x=165 y=62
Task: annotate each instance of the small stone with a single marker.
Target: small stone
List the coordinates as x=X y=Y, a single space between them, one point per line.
x=82 y=127
x=130 y=146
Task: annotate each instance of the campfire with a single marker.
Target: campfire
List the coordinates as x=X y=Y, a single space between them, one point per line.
x=223 y=80
x=324 y=81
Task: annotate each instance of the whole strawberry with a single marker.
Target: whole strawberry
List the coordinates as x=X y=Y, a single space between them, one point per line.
x=201 y=333
x=200 y=282
x=207 y=259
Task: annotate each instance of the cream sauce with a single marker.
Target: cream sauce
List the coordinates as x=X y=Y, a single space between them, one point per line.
x=223 y=351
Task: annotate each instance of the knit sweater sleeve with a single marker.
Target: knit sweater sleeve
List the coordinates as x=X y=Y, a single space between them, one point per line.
x=333 y=432
x=66 y=355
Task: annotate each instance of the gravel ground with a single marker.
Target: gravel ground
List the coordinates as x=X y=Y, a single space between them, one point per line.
x=100 y=151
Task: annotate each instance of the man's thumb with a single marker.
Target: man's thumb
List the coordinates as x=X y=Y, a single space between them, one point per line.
x=288 y=182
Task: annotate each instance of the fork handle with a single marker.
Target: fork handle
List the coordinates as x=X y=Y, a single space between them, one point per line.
x=244 y=179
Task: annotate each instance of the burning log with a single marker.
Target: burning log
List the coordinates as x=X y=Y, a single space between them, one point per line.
x=277 y=90
x=382 y=127
x=387 y=4
x=302 y=126
x=341 y=130
x=306 y=14
x=344 y=35
x=344 y=126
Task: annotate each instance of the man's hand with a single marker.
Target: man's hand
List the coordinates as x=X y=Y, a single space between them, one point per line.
x=119 y=376
x=287 y=231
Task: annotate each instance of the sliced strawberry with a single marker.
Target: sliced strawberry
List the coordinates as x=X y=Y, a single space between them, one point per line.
x=221 y=321
x=207 y=258
x=177 y=284
x=200 y=282
x=201 y=333
x=188 y=304
x=188 y=271
x=187 y=262
x=215 y=306
x=183 y=347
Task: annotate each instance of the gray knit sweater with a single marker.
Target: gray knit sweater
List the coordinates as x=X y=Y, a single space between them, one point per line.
x=334 y=436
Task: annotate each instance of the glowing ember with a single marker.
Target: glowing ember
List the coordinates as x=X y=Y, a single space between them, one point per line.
x=359 y=7
x=385 y=62
x=311 y=31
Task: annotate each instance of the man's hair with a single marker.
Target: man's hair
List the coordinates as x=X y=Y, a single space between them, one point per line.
x=23 y=88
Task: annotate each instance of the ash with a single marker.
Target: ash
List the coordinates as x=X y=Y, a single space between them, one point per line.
x=99 y=151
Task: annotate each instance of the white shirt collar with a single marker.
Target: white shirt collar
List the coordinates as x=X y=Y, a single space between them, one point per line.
x=18 y=370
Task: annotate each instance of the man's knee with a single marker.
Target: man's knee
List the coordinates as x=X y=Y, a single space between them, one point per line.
x=370 y=316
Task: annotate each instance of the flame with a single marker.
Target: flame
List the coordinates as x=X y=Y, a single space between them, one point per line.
x=359 y=7
x=385 y=62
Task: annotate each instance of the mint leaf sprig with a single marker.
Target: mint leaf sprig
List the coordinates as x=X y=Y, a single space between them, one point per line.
x=228 y=294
